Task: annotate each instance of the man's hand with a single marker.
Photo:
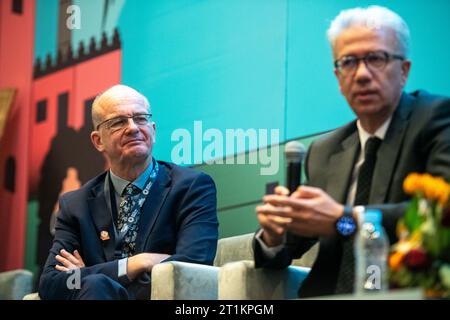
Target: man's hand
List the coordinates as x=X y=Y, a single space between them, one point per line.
x=69 y=261
x=274 y=226
x=143 y=262
x=313 y=211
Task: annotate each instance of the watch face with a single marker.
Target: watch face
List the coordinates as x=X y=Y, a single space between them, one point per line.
x=346 y=226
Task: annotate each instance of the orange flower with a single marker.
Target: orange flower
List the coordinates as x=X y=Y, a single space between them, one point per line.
x=429 y=186
x=395 y=260
x=444 y=193
x=437 y=189
x=412 y=183
x=444 y=197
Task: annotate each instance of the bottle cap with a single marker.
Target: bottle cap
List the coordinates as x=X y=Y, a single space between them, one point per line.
x=373 y=216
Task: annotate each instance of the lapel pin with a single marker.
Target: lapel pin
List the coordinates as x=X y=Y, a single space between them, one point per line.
x=104 y=235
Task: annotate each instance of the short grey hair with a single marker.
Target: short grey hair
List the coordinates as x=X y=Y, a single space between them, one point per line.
x=371 y=17
x=116 y=94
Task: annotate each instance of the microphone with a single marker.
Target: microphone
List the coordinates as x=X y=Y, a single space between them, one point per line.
x=294 y=153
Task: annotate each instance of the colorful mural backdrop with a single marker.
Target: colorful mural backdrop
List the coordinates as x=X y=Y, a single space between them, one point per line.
x=229 y=64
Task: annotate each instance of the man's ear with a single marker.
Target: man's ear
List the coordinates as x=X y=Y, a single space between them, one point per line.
x=97 y=141
x=154 y=132
x=337 y=74
x=406 y=67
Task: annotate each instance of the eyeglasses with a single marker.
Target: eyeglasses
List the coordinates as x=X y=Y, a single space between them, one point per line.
x=121 y=122
x=376 y=60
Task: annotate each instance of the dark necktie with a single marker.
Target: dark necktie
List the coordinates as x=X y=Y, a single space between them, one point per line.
x=129 y=212
x=346 y=277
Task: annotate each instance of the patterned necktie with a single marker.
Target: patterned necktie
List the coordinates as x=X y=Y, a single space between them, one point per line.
x=346 y=277
x=129 y=212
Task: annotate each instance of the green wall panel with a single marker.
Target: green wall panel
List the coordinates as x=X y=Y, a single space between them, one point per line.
x=240 y=188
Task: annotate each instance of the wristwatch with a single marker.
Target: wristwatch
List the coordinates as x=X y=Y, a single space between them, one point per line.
x=346 y=224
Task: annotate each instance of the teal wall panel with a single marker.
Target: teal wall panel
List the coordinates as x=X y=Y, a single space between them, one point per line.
x=221 y=62
x=429 y=22
x=95 y=19
x=240 y=189
x=46 y=28
x=313 y=100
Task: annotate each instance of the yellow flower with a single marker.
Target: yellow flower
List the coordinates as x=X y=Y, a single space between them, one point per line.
x=444 y=192
x=429 y=186
x=402 y=231
x=436 y=189
x=412 y=183
x=444 y=198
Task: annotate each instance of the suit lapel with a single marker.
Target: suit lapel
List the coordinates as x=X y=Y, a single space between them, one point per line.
x=340 y=168
x=152 y=206
x=102 y=219
x=389 y=150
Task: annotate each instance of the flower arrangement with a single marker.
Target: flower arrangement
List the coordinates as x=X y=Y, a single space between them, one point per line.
x=421 y=257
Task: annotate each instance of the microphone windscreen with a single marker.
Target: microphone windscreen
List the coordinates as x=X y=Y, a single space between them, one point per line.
x=294 y=151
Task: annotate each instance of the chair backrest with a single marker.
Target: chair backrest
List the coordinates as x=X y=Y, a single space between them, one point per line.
x=239 y=248
x=14 y=285
x=234 y=249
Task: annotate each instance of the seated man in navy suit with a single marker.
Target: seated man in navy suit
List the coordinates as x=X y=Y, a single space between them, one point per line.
x=141 y=212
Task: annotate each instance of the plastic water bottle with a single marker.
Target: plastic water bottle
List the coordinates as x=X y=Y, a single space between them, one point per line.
x=371 y=253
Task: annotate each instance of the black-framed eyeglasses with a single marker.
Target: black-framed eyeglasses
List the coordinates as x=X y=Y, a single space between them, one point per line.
x=376 y=60
x=141 y=119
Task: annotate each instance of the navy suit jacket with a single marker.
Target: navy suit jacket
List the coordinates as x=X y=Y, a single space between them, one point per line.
x=178 y=218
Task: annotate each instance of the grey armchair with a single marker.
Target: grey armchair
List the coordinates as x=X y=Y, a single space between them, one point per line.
x=14 y=285
x=238 y=278
x=233 y=275
x=241 y=281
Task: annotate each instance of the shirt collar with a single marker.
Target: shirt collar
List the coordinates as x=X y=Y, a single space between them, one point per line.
x=120 y=184
x=379 y=133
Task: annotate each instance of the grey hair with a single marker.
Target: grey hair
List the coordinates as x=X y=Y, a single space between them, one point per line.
x=372 y=17
x=116 y=94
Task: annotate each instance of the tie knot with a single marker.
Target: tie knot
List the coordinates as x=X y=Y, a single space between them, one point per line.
x=372 y=145
x=130 y=190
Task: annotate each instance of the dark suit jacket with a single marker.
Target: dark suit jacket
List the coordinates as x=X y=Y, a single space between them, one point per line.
x=417 y=140
x=178 y=218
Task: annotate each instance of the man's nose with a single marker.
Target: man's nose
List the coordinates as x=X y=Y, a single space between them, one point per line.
x=362 y=72
x=131 y=125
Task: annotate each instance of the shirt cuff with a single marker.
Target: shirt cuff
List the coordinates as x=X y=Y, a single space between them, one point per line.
x=269 y=252
x=123 y=268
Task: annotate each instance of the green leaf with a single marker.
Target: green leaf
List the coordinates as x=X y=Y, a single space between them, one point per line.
x=412 y=218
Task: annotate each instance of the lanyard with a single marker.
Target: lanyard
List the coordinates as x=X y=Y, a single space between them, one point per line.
x=113 y=205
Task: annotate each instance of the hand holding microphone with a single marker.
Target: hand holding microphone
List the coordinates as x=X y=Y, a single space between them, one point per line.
x=270 y=218
x=294 y=153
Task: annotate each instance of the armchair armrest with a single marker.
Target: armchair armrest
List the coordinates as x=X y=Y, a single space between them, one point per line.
x=32 y=296
x=14 y=285
x=184 y=281
x=240 y=280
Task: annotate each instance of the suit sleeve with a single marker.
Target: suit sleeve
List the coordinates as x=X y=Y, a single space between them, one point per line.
x=434 y=142
x=294 y=248
x=198 y=225
x=56 y=284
